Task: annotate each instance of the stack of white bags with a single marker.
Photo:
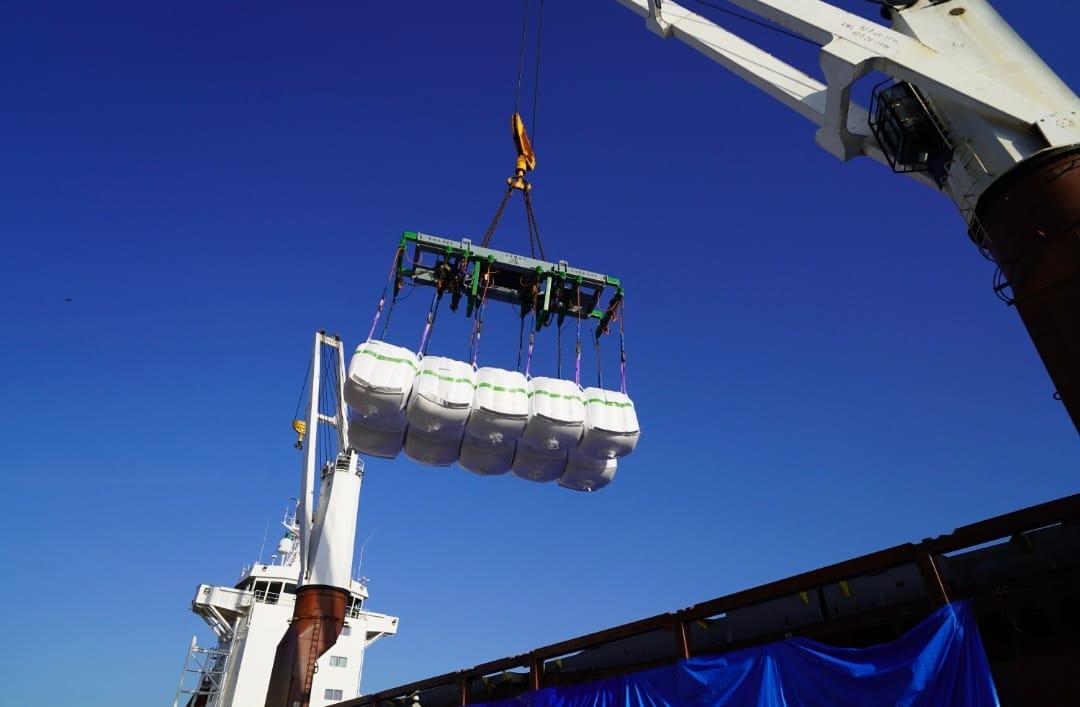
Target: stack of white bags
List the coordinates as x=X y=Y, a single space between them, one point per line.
x=488 y=420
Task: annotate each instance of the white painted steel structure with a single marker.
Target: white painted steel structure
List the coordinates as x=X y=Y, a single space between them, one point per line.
x=333 y=534
x=249 y=619
x=998 y=101
x=340 y=422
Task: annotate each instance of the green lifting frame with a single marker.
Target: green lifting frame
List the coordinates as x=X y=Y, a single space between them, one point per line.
x=552 y=291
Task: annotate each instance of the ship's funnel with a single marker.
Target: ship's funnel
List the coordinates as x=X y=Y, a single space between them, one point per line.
x=317 y=621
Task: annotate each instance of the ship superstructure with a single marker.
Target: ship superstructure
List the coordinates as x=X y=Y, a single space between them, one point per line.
x=250 y=618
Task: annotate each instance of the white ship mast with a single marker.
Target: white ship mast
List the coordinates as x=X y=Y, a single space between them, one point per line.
x=266 y=612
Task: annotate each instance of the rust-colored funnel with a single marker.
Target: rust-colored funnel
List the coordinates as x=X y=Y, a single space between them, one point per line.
x=1031 y=216
x=318 y=617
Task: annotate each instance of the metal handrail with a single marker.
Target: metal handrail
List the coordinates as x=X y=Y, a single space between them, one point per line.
x=922 y=554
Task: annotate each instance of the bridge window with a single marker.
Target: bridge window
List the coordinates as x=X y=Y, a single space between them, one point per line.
x=355 y=606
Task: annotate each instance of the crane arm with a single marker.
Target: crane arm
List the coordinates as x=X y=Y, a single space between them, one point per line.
x=852 y=46
x=972 y=110
x=789 y=85
x=794 y=88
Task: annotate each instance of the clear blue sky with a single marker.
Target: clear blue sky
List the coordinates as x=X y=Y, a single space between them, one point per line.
x=820 y=366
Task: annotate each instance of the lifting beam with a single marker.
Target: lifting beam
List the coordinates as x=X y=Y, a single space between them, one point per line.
x=465 y=270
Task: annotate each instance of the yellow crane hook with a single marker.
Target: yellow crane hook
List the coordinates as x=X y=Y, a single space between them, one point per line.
x=300 y=427
x=526 y=158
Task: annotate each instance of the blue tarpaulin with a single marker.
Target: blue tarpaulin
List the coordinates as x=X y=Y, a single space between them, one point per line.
x=939 y=662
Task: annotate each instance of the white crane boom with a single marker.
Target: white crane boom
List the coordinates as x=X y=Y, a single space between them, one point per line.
x=851 y=47
x=971 y=110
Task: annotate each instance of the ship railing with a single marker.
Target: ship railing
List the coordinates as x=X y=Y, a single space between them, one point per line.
x=264 y=596
x=1033 y=547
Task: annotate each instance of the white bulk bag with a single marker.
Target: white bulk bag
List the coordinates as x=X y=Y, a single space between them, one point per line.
x=441 y=398
x=556 y=415
x=535 y=465
x=611 y=425
x=380 y=379
x=383 y=442
x=432 y=451
x=500 y=409
x=485 y=460
x=587 y=474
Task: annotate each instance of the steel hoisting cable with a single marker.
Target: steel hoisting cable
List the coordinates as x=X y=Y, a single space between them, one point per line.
x=532 y=241
x=320 y=409
x=331 y=375
x=518 y=182
x=534 y=229
x=337 y=391
x=334 y=392
x=328 y=365
x=303 y=386
x=753 y=20
x=299 y=425
x=535 y=243
x=521 y=54
x=536 y=69
x=486 y=240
